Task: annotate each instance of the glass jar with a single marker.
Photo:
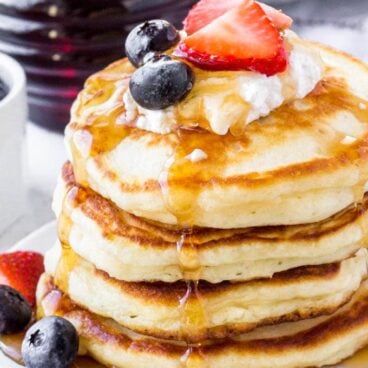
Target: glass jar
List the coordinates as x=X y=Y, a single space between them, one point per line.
x=61 y=42
x=13 y=114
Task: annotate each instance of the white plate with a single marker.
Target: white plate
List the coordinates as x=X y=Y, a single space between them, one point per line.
x=39 y=241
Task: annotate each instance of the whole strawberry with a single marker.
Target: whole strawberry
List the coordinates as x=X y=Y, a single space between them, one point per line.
x=21 y=271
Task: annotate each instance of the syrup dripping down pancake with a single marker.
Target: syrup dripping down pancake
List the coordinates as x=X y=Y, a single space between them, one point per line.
x=303 y=163
x=195 y=312
x=134 y=249
x=310 y=343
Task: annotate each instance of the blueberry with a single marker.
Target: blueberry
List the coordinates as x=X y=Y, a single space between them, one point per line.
x=161 y=83
x=52 y=342
x=15 y=311
x=148 y=39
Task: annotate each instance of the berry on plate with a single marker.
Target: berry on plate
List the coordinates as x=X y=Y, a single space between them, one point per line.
x=21 y=271
x=15 y=311
x=242 y=38
x=207 y=11
x=52 y=342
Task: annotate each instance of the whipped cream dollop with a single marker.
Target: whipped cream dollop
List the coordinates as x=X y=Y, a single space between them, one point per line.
x=239 y=99
x=197 y=155
x=157 y=121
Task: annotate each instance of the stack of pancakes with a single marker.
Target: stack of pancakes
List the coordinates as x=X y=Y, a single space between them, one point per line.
x=252 y=257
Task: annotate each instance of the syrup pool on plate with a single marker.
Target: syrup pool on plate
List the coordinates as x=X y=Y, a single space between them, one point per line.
x=11 y=347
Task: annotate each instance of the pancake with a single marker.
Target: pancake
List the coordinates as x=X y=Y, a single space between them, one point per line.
x=316 y=342
x=133 y=249
x=198 y=311
x=303 y=163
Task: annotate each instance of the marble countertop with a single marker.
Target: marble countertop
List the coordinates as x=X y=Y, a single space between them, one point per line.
x=338 y=23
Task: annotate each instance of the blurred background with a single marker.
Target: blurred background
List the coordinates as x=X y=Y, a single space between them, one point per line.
x=60 y=42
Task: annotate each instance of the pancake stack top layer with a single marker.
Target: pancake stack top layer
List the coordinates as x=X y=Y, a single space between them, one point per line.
x=182 y=247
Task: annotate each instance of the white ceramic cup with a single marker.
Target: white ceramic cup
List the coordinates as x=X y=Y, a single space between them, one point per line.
x=13 y=116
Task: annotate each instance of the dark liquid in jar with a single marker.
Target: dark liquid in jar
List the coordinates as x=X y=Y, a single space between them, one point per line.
x=61 y=42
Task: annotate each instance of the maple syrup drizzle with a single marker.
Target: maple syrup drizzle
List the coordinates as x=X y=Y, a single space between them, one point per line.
x=363 y=223
x=11 y=346
x=101 y=112
x=188 y=256
x=193 y=315
x=353 y=105
x=193 y=358
x=69 y=259
x=104 y=131
x=358 y=360
x=192 y=111
x=192 y=310
x=182 y=200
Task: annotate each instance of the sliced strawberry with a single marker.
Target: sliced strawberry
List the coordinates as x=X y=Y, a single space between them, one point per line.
x=21 y=271
x=277 y=17
x=207 y=11
x=241 y=39
x=243 y=32
x=270 y=66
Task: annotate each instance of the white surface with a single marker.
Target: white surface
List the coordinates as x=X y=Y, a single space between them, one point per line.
x=13 y=115
x=350 y=40
x=44 y=157
x=338 y=23
x=40 y=241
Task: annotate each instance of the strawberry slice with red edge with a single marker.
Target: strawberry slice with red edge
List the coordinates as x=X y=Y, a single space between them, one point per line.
x=279 y=19
x=206 y=11
x=243 y=38
x=21 y=271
